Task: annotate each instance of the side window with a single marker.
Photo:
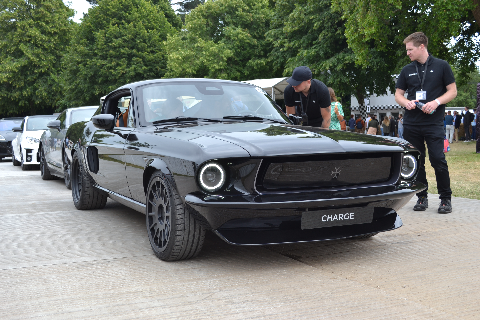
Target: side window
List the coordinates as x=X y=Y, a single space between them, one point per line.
x=23 y=124
x=124 y=108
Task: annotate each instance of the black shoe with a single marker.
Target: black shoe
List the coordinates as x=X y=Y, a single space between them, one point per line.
x=422 y=204
x=445 y=206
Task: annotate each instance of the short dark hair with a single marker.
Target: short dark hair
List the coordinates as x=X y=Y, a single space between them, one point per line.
x=418 y=38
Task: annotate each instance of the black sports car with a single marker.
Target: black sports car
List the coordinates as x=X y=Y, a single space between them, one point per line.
x=7 y=135
x=201 y=154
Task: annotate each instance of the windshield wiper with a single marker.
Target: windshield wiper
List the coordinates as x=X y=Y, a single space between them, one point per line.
x=176 y=119
x=185 y=119
x=252 y=118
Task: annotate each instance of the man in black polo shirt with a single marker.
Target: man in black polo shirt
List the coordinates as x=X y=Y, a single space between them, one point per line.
x=431 y=81
x=305 y=95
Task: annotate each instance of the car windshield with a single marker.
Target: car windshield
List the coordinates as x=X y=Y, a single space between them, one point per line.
x=39 y=123
x=207 y=100
x=8 y=125
x=82 y=114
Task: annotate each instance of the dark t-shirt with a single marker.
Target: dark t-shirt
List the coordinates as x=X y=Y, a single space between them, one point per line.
x=439 y=76
x=317 y=98
x=458 y=121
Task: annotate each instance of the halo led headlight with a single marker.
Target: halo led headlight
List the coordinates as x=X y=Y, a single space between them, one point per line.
x=2 y=138
x=409 y=166
x=212 y=177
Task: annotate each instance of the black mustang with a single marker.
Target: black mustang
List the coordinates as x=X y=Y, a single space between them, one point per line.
x=201 y=154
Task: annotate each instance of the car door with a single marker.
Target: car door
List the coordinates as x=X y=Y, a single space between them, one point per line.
x=53 y=154
x=107 y=147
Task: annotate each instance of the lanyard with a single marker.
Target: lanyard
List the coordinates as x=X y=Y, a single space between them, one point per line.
x=301 y=101
x=424 y=73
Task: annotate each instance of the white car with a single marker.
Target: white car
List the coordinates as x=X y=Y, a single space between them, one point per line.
x=25 y=145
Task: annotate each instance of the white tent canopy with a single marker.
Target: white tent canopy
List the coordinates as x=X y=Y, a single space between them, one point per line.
x=274 y=87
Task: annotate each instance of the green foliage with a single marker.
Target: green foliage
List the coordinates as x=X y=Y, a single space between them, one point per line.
x=33 y=38
x=118 y=42
x=307 y=32
x=387 y=22
x=466 y=91
x=223 y=39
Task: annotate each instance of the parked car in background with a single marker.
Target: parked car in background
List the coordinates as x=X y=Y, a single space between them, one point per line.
x=53 y=162
x=7 y=135
x=202 y=154
x=25 y=144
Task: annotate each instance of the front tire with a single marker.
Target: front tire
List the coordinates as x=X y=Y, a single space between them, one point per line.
x=173 y=232
x=85 y=195
x=22 y=163
x=44 y=171
x=15 y=162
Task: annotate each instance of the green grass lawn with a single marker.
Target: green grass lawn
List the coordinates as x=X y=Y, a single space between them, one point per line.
x=464 y=167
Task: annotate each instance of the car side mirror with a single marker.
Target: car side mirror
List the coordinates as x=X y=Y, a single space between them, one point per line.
x=54 y=124
x=17 y=129
x=104 y=121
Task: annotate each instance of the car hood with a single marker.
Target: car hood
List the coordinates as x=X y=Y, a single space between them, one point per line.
x=271 y=139
x=8 y=135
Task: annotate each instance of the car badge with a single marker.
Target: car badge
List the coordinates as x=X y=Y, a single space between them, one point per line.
x=336 y=173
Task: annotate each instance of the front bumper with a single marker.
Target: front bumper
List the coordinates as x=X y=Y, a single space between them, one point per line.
x=6 y=149
x=277 y=218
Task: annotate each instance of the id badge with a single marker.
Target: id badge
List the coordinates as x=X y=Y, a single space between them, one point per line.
x=421 y=95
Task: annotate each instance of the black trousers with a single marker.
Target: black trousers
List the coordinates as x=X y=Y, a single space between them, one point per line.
x=466 y=127
x=433 y=136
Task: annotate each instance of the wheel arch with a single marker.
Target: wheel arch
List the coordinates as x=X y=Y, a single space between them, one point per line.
x=153 y=166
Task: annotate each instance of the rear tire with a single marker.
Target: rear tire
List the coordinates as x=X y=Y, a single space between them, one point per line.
x=85 y=195
x=44 y=171
x=173 y=231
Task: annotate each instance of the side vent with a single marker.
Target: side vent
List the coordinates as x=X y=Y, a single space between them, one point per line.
x=92 y=159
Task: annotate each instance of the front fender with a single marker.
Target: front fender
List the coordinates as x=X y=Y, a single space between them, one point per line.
x=152 y=166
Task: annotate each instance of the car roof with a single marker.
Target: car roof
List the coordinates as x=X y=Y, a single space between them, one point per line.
x=147 y=82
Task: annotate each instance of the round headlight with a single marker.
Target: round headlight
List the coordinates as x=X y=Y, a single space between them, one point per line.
x=212 y=177
x=409 y=166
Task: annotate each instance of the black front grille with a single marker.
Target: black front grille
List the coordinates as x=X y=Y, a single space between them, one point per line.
x=325 y=172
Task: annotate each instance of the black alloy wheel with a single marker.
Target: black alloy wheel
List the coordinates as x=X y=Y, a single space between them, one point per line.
x=66 y=171
x=44 y=171
x=173 y=232
x=85 y=195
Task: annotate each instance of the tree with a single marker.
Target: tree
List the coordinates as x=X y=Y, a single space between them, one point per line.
x=33 y=38
x=223 y=39
x=386 y=23
x=164 y=6
x=118 y=42
x=466 y=92
x=309 y=33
